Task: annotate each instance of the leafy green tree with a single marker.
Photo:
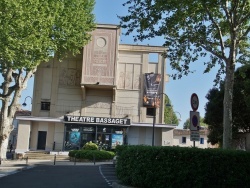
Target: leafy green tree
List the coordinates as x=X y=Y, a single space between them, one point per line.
x=214 y=115
x=194 y=29
x=31 y=31
x=241 y=107
x=169 y=114
x=241 y=99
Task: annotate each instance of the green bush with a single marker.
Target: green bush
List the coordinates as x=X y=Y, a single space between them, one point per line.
x=147 y=166
x=98 y=155
x=72 y=153
x=90 y=146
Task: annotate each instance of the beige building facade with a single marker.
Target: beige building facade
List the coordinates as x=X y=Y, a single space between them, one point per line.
x=96 y=96
x=182 y=138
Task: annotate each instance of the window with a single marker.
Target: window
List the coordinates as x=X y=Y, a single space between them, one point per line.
x=153 y=57
x=183 y=140
x=150 y=111
x=45 y=106
x=201 y=140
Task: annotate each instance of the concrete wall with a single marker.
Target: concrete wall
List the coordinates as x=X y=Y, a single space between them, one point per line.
x=23 y=137
x=143 y=136
x=167 y=137
x=59 y=136
x=178 y=134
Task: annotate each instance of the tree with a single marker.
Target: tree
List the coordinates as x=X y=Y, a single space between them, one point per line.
x=241 y=107
x=169 y=114
x=186 y=124
x=31 y=31
x=214 y=115
x=194 y=29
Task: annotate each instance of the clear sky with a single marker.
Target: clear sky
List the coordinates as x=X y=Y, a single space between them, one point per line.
x=179 y=91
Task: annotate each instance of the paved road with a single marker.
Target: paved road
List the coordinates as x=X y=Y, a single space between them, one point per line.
x=99 y=176
x=108 y=173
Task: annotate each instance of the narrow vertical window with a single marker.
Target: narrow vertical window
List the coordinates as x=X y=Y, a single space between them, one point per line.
x=201 y=140
x=183 y=140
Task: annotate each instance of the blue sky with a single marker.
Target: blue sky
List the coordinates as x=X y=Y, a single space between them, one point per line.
x=179 y=91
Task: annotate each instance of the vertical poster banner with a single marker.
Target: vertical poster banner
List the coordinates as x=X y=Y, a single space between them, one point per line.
x=74 y=138
x=151 y=90
x=117 y=139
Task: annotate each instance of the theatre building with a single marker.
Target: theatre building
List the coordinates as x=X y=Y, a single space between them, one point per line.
x=109 y=94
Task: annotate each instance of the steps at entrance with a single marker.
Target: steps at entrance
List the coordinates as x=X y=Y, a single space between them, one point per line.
x=44 y=155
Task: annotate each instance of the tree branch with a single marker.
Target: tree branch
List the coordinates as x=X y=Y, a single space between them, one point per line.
x=219 y=31
x=21 y=84
x=245 y=34
x=213 y=52
x=228 y=15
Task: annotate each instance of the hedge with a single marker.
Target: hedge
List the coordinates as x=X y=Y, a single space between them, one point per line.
x=167 y=167
x=91 y=154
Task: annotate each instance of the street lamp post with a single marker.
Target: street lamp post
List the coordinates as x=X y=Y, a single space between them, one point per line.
x=24 y=103
x=179 y=114
x=153 y=136
x=154 y=116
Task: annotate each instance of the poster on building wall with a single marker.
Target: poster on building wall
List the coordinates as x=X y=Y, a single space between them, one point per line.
x=74 y=138
x=152 y=90
x=117 y=139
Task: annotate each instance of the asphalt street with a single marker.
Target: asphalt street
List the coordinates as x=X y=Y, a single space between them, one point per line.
x=48 y=176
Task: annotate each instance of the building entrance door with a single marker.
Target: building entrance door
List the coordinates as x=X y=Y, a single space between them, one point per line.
x=41 y=140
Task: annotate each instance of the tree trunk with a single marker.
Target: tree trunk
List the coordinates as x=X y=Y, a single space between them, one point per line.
x=10 y=102
x=4 y=148
x=227 y=108
x=5 y=132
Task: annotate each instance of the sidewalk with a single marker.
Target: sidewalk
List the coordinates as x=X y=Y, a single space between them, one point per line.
x=33 y=162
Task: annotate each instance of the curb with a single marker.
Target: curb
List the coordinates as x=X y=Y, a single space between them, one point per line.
x=117 y=185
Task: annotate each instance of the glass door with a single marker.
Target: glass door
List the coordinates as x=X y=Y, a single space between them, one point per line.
x=87 y=137
x=104 y=141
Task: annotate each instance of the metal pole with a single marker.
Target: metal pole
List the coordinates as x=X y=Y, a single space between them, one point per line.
x=153 y=135
x=55 y=159
x=54 y=146
x=194 y=143
x=75 y=160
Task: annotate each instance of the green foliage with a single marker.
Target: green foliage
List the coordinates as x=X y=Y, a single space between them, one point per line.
x=31 y=30
x=192 y=29
x=241 y=104
x=72 y=153
x=241 y=99
x=169 y=114
x=97 y=155
x=147 y=166
x=90 y=146
x=214 y=115
x=186 y=124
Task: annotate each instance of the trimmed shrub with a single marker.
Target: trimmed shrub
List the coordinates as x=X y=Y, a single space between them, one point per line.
x=98 y=155
x=90 y=146
x=72 y=153
x=163 y=166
